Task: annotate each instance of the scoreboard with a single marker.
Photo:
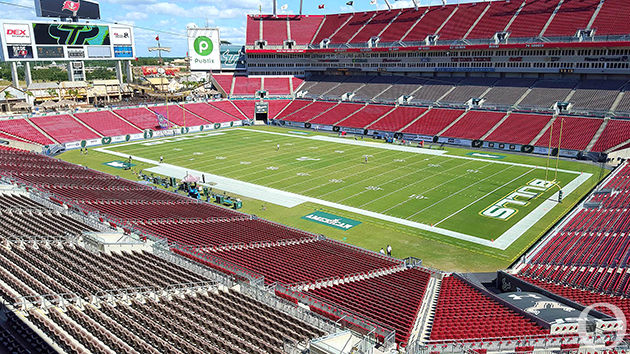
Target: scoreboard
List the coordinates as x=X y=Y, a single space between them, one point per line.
x=29 y=41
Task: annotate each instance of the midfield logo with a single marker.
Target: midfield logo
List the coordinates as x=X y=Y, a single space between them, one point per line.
x=520 y=197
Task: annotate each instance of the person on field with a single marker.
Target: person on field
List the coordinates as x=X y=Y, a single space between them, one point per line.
x=277 y=147
x=382 y=251
x=389 y=250
x=161 y=159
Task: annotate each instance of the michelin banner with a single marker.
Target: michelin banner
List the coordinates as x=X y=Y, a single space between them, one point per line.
x=204 y=49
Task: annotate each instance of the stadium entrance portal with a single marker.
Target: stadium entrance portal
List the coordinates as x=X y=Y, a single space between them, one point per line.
x=261 y=112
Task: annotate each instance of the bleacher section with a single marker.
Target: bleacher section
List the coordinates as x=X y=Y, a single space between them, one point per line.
x=474 y=125
x=209 y=113
x=499 y=14
x=287 y=263
x=513 y=131
x=377 y=86
x=570 y=133
x=246 y=86
x=106 y=123
x=397 y=119
x=62 y=273
x=140 y=117
x=465 y=313
x=461 y=21
x=586 y=259
x=237 y=229
x=276 y=106
x=337 y=113
x=246 y=107
x=506 y=92
x=64 y=128
x=292 y=108
x=227 y=107
x=303 y=28
x=384 y=299
x=547 y=92
x=310 y=111
x=225 y=81
x=368 y=115
x=23 y=129
x=277 y=86
x=433 y=122
x=178 y=116
x=532 y=18
x=573 y=15
x=616 y=132
x=596 y=95
x=429 y=24
x=464 y=23
x=612 y=19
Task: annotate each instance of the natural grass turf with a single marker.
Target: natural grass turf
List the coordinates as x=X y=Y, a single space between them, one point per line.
x=446 y=189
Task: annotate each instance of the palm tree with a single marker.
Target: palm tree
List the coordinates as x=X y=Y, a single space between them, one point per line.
x=31 y=95
x=52 y=93
x=8 y=95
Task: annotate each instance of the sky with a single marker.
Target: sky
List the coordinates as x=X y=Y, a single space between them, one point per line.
x=169 y=19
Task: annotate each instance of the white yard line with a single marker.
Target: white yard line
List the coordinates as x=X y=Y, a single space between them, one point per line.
x=288 y=199
x=461 y=190
x=487 y=194
x=413 y=184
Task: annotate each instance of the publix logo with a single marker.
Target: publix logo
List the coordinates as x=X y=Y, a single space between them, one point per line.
x=203 y=46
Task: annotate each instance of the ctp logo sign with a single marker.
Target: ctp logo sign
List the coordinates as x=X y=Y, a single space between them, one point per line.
x=203 y=46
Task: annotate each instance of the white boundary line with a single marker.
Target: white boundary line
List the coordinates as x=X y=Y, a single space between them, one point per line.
x=287 y=199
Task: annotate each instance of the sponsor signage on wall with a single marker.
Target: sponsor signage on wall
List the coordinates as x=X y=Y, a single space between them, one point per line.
x=120 y=35
x=17 y=33
x=204 y=49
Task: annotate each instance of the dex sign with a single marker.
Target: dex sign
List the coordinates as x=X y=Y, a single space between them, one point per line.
x=17 y=33
x=203 y=49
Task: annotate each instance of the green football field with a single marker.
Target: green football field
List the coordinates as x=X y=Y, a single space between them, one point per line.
x=428 y=203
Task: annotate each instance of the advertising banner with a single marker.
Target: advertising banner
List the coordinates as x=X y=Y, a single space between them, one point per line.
x=20 y=51
x=17 y=33
x=70 y=34
x=204 y=49
x=120 y=35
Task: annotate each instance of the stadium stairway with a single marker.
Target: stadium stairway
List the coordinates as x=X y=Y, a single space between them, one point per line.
x=452 y=123
x=507 y=115
x=85 y=125
x=41 y=130
x=422 y=328
x=415 y=120
x=544 y=130
x=125 y=120
x=599 y=132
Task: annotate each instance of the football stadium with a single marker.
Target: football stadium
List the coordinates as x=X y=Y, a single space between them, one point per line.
x=435 y=178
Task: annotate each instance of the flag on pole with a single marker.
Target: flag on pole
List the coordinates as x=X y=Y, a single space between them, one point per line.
x=350 y=3
x=157 y=38
x=372 y=2
x=284 y=7
x=321 y=6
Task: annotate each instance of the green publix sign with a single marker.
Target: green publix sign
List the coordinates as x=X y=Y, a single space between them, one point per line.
x=331 y=220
